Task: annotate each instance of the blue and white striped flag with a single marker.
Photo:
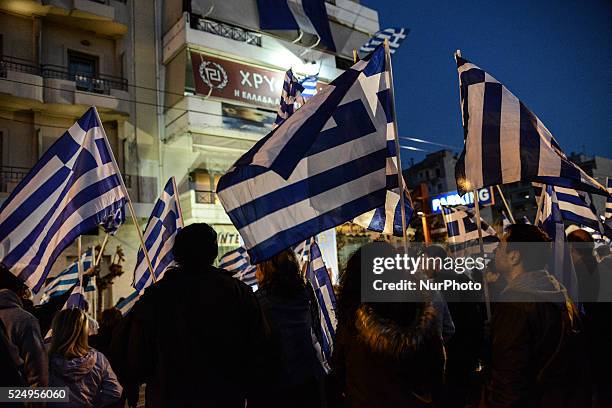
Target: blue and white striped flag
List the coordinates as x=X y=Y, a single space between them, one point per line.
x=395 y=35
x=461 y=225
x=575 y=206
x=310 y=86
x=323 y=166
x=505 y=142
x=112 y=223
x=318 y=276
x=561 y=266
x=462 y=231
x=75 y=187
x=387 y=219
x=608 y=212
x=69 y=277
x=125 y=305
x=164 y=223
x=291 y=94
x=238 y=264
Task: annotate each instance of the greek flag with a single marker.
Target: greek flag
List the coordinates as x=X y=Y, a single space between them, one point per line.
x=462 y=231
x=387 y=219
x=325 y=165
x=164 y=223
x=76 y=300
x=112 y=224
x=310 y=86
x=238 y=264
x=561 y=266
x=608 y=212
x=318 y=276
x=575 y=206
x=505 y=142
x=125 y=304
x=395 y=35
x=309 y=16
x=74 y=188
x=69 y=277
x=291 y=94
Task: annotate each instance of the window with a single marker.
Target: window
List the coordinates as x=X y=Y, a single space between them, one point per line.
x=437 y=172
x=343 y=63
x=439 y=187
x=83 y=68
x=204 y=187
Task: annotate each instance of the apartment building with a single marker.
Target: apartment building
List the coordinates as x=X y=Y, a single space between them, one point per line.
x=58 y=58
x=223 y=80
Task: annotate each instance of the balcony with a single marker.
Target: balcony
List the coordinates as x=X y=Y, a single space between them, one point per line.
x=227 y=31
x=21 y=82
x=205 y=197
x=88 y=14
x=107 y=92
x=83 y=14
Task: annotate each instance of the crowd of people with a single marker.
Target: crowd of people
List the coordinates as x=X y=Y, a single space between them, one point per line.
x=200 y=337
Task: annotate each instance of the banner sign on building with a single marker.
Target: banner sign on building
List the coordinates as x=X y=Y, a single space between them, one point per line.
x=485 y=198
x=237 y=81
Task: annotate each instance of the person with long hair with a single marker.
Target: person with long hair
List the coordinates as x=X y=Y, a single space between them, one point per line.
x=287 y=302
x=73 y=364
x=386 y=354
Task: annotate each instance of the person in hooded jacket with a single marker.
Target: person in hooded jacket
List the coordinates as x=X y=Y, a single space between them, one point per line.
x=385 y=354
x=538 y=352
x=21 y=335
x=73 y=364
x=286 y=302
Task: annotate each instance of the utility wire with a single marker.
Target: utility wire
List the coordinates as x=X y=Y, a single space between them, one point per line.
x=156 y=105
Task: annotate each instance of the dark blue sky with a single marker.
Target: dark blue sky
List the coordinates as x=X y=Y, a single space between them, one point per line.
x=555 y=56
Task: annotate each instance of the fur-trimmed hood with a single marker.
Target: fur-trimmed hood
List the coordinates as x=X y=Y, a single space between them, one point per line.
x=388 y=338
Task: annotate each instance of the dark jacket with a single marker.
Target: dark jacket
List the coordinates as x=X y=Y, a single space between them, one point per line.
x=26 y=343
x=538 y=352
x=90 y=380
x=378 y=363
x=196 y=338
x=296 y=369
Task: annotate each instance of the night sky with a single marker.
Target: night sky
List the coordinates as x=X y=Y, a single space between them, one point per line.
x=555 y=56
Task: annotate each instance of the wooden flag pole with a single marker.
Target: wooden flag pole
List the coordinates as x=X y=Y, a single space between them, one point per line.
x=178 y=201
x=79 y=264
x=540 y=203
x=129 y=202
x=99 y=257
x=485 y=285
x=501 y=194
x=354 y=56
x=400 y=178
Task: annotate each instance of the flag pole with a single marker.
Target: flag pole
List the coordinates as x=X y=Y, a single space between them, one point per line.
x=354 y=56
x=540 y=203
x=79 y=264
x=178 y=201
x=400 y=177
x=485 y=285
x=129 y=201
x=501 y=194
x=99 y=257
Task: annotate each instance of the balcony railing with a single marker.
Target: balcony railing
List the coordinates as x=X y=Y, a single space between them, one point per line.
x=10 y=176
x=8 y=63
x=227 y=31
x=205 y=197
x=100 y=83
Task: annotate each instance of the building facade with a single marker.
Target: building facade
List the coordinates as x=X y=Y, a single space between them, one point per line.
x=58 y=58
x=183 y=87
